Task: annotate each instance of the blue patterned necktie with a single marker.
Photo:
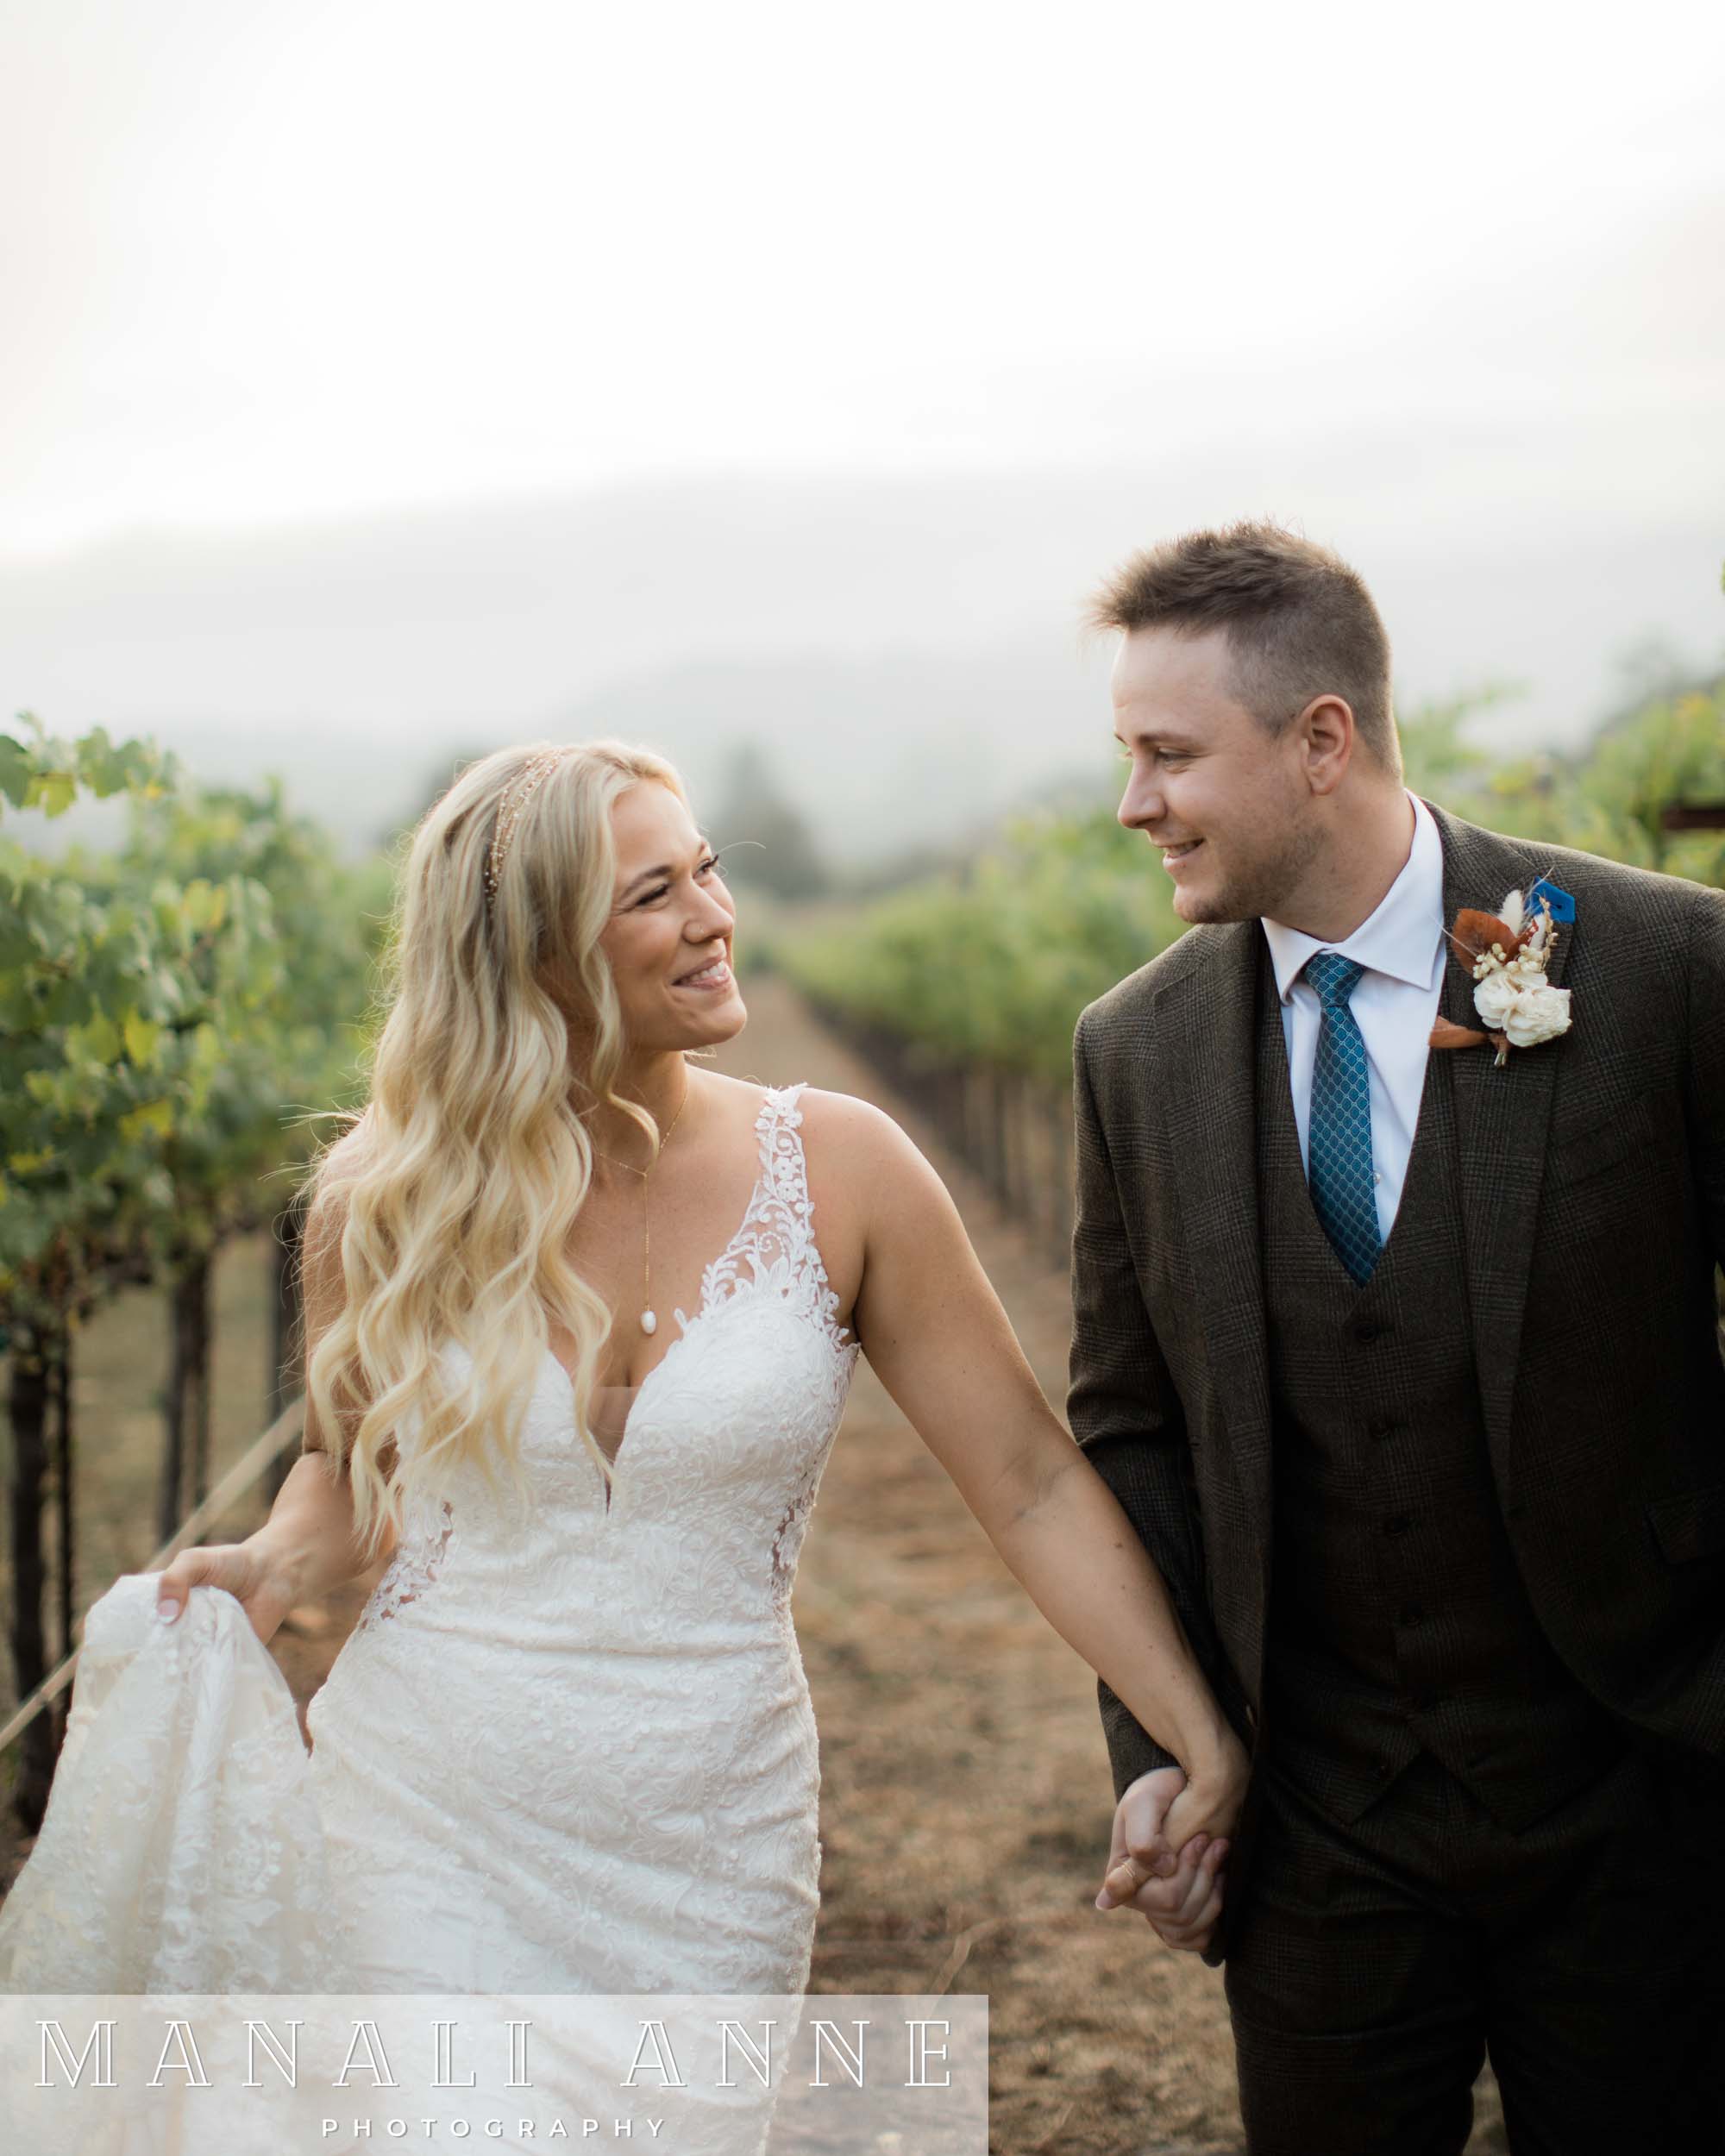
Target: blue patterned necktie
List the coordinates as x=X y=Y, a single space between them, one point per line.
x=1339 y=1136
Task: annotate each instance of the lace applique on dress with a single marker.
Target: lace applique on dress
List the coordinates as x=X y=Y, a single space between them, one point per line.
x=776 y=1242
x=776 y=1237
x=414 y=1567
x=792 y=1525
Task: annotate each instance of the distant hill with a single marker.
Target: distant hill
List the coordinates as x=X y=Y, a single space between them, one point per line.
x=905 y=651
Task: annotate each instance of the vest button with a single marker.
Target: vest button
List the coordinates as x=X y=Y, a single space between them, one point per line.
x=1414 y=1614
x=1384 y=1427
x=1397 y=1524
x=1369 y=1330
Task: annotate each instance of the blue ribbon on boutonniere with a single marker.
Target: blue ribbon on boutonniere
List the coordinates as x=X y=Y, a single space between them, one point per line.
x=1562 y=906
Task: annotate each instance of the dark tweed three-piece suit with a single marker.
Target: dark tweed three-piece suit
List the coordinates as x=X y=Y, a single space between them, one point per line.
x=1451 y=1544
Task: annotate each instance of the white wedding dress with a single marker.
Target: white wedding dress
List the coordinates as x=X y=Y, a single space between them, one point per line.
x=571 y=1753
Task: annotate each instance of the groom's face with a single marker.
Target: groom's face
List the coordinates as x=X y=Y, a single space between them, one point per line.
x=1225 y=799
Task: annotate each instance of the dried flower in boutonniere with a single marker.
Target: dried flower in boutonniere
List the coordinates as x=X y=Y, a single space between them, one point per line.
x=1505 y=953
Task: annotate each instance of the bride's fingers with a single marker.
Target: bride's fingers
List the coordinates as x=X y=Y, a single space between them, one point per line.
x=220 y=1567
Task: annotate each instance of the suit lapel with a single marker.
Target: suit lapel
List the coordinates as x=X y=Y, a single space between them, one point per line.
x=1204 y=1055
x=1205 y=1088
x=1502 y=1121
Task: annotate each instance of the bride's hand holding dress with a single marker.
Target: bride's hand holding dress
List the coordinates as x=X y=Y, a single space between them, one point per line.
x=309 y=1545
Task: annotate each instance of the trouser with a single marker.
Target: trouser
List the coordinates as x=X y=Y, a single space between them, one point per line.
x=1377 y=1965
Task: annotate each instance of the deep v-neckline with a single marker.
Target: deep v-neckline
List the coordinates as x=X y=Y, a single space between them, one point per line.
x=766 y=1118
x=778 y=1109
x=704 y=1309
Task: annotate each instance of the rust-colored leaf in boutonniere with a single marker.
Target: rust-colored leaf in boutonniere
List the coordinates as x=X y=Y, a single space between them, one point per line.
x=1505 y=955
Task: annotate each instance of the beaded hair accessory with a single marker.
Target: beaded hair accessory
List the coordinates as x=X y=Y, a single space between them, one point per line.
x=533 y=776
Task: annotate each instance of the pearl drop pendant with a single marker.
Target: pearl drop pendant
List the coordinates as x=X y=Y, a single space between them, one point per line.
x=649 y=1323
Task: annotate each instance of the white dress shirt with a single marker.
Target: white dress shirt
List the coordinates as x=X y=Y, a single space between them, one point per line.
x=1402 y=949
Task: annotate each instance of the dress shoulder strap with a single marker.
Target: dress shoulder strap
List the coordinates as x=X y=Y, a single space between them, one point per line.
x=784 y=1166
x=777 y=1235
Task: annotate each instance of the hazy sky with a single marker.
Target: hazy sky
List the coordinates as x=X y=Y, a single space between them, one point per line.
x=265 y=259
x=1442 y=284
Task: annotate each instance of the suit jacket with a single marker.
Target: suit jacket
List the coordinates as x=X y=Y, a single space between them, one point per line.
x=1592 y=1192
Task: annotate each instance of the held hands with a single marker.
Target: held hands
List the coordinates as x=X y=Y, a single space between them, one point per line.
x=246 y=1569
x=1169 y=1840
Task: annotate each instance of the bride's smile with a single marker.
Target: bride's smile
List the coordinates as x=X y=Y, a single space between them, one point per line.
x=670 y=934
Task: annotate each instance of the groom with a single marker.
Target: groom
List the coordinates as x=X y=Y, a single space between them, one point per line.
x=1405 y=1365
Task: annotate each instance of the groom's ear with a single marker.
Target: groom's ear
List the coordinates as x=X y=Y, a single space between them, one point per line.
x=1327 y=736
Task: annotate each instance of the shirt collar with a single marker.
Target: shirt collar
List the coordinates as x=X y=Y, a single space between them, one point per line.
x=1404 y=938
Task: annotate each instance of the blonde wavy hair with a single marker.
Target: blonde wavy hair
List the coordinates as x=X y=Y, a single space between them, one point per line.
x=458 y=1194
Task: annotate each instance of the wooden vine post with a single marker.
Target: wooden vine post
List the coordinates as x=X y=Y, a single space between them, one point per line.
x=27 y=1409
x=65 y=1488
x=284 y=1330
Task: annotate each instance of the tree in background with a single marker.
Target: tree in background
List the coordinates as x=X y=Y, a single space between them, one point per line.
x=1613 y=799
x=765 y=841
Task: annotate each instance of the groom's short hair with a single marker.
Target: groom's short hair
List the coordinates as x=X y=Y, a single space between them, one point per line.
x=1300 y=623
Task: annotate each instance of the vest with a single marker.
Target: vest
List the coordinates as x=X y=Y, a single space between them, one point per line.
x=1398 y=1623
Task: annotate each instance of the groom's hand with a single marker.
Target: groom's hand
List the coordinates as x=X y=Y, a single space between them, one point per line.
x=1180 y=1896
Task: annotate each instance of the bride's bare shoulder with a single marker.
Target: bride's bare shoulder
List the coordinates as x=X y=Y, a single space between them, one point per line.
x=857 y=1139
x=839 y=1123
x=842 y=1114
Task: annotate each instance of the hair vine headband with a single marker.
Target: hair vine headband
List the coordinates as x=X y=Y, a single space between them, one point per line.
x=532 y=776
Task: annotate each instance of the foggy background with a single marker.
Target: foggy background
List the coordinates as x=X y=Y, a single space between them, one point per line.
x=385 y=383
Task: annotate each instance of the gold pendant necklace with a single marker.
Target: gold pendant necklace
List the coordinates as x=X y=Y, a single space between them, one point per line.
x=649 y=1320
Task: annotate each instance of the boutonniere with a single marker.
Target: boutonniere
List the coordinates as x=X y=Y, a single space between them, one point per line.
x=1505 y=955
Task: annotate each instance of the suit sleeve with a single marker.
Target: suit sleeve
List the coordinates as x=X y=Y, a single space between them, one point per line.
x=1127 y=1415
x=1705 y=1097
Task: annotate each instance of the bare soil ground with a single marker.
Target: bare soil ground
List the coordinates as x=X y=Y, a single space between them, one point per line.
x=965 y=1792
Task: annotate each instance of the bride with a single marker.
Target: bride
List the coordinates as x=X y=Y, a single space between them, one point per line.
x=581 y=1320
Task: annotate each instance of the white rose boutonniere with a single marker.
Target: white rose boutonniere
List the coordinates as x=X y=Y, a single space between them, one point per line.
x=1494 y=998
x=1506 y=954
x=1536 y=1014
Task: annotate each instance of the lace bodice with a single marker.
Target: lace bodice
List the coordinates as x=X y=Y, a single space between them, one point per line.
x=764 y=1350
